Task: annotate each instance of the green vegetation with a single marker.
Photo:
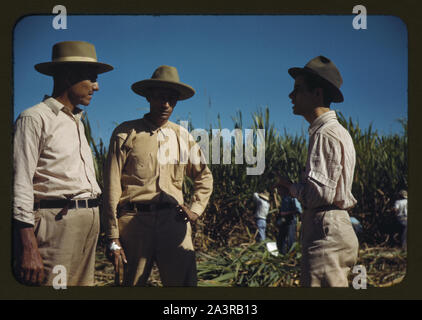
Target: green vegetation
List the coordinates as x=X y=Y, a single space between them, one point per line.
x=224 y=236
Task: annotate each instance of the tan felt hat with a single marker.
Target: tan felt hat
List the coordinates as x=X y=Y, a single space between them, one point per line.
x=164 y=77
x=327 y=71
x=72 y=53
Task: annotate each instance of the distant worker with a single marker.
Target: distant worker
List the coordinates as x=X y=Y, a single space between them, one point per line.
x=287 y=222
x=261 y=212
x=400 y=209
x=357 y=226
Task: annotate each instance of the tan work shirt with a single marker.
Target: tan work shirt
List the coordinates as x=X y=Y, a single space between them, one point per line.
x=51 y=158
x=329 y=167
x=146 y=162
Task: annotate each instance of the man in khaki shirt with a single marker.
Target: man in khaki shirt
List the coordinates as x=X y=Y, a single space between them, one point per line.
x=329 y=243
x=55 y=206
x=145 y=217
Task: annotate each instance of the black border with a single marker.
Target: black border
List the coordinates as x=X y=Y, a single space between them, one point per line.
x=407 y=10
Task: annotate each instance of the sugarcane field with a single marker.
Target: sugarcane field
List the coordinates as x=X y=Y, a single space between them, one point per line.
x=226 y=237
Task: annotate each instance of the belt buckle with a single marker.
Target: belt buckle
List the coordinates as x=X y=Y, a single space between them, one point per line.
x=81 y=204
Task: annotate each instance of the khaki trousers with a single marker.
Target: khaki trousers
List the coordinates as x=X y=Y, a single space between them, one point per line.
x=162 y=237
x=329 y=248
x=68 y=240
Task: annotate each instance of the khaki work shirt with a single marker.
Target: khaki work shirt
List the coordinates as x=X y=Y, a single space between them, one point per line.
x=146 y=164
x=51 y=158
x=329 y=167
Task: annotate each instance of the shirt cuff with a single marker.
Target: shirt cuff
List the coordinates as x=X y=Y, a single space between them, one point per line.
x=26 y=217
x=113 y=233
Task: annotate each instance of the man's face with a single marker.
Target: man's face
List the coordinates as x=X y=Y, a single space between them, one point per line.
x=303 y=100
x=83 y=84
x=162 y=102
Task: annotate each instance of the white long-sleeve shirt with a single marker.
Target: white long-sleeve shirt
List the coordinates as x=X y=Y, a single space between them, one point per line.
x=51 y=158
x=262 y=207
x=329 y=167
x=401 y=207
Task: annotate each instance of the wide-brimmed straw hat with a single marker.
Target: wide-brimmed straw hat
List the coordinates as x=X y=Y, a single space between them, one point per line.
x=164 y=77
x=264 y=195
x=72 y=53
x=326 y=71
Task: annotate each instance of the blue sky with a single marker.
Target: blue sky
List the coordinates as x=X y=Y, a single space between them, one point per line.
x=234 y=63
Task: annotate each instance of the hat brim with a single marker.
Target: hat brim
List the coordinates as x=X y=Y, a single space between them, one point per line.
x=50 y=68
x=264 y=196
x=142 y=87
x=336 y=94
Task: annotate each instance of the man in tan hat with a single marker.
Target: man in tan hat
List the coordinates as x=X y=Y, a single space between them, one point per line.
x=146 y=219
x=55 y=209
x=329 y=243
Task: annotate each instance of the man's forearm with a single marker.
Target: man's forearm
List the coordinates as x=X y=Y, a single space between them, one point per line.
x=26 y=235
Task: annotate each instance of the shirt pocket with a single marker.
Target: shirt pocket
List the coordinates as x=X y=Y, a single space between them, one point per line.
x=142 y=165
x=141 y=161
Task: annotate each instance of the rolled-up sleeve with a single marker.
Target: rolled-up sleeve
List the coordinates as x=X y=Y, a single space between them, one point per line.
x=323 y=172
x=26 y=152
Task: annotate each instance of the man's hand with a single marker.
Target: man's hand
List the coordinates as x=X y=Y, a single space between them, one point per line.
x=115 y=255
x=31 y=267
x=187 y=213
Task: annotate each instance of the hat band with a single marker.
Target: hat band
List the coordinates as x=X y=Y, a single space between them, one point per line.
x=75 y=58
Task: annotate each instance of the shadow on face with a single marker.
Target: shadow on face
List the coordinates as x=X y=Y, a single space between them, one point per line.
x=71 y=75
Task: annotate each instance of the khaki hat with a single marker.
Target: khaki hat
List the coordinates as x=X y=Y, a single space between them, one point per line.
x=72 y=53
x=325 y=70
x=264 y=195
x=164 y=77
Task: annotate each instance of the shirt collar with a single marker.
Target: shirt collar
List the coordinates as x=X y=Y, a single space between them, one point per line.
x=321 y=120
x=151 y=126
x=57 y=106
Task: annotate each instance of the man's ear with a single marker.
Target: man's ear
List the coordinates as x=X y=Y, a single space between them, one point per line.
x=319 y=94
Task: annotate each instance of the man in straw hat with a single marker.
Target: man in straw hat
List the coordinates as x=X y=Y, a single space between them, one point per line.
x=262 y=201
x=329 y=243
x=55 y=207
x=146 y=219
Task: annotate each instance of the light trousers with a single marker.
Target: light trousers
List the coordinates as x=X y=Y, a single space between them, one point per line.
x=329 y=248
x=160 y=237
x=68 y=242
